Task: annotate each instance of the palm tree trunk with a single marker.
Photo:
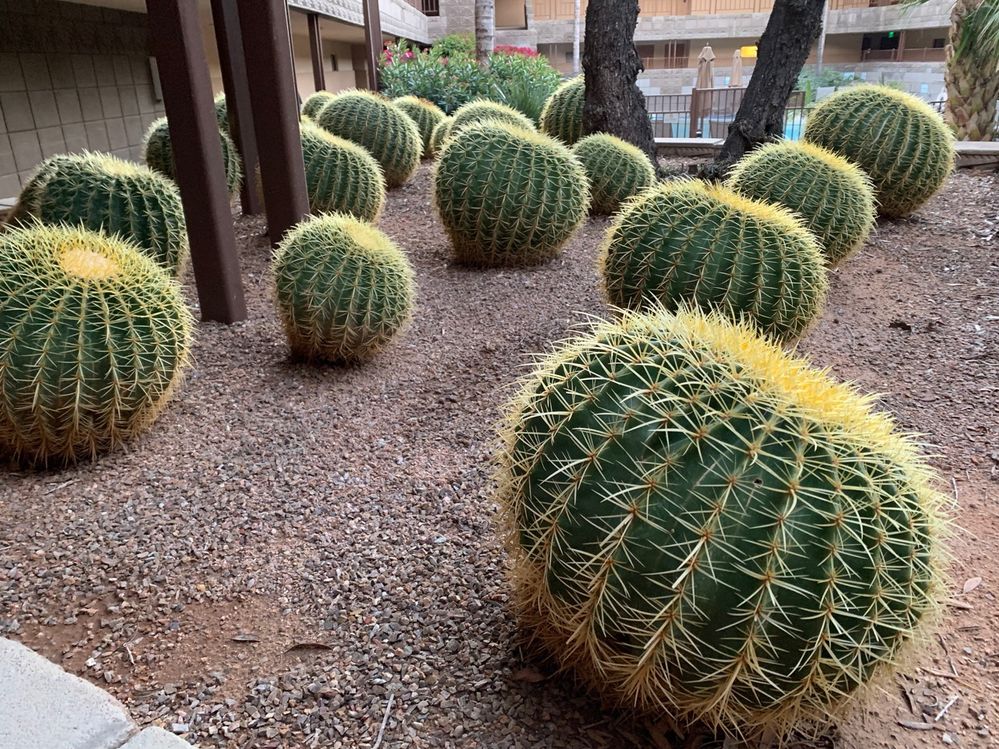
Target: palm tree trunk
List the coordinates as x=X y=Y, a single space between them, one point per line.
x=485 y=29
x=972 y=88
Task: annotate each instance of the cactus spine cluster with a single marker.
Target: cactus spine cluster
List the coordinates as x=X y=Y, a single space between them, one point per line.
x=482 y=110
x=833 y=197
x=562 y=115
x=105 y=193
x=341 y=176
x=704 y=526
x=158 y=155
x=425 y=114
x=688 y=242
x=508 y=196
x=344 y=289
x=93 y=338
x=617 y=170
x=377 y=124
x=222 y=113
x=895 y=137
x=441 y=131
x=314 y=103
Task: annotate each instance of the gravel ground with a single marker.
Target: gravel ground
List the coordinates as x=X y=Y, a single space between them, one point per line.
x=305 y=557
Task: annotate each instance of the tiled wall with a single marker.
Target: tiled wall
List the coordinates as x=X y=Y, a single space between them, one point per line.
x=72 y=77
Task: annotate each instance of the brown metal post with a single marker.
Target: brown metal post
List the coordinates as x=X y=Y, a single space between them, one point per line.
x=197 y=151
x=372 y=40
x=694 y=130
x=316 y=52
x=275 y=112
x=229 y=38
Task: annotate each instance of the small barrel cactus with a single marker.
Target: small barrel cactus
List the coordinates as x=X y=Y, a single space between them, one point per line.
x=441 y=131
x=314 y=103
x=377 y=124
x=508 y=196
x=158 y=155
x=706 y=527
x=896 y=138
x=222 y=113
x=833 y=197
x=105 y=193
x=93 y=338
x=617 y=170
x=562 y=116
x=344 y=289
x=482 y=110
x=340 y=175
x=691 y=243
x=425 y=114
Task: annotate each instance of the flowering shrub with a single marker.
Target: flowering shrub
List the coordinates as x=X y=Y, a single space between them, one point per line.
x=509 y=49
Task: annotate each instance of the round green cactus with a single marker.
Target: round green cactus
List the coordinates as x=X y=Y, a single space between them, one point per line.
x=93 y=339
x=562 y=116
x=690 y=242
x=706 y=527
x=158 y=155
x=833 y=197
x=508 y=196
x=341 y=176
x=617 y=170
x=105 y=193
x=344 y=289
x=482 y=110
x=441 y=131
x=315 y=102
x=374 y=122
x=896 y=138
x=425 y=114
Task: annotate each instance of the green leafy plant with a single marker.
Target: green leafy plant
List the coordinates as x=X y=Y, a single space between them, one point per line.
x=341 y=176
x=617 y=171
x=706 y=527
x=158 y=155
x=94 y=337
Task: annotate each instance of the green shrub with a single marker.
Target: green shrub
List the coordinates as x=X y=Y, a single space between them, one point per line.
x=105 y=193
x=344 y=289
x=704 y=527
x=617 y=170
x=341 y=176
x=508 y=196
x=374 y=122
x=896 y=138
x=93 y=339
x=691 y=243
x=158 y=155
x=314 y=103
x=425 y=114
x=832 y=196
x=562 y=116
x=482 y=110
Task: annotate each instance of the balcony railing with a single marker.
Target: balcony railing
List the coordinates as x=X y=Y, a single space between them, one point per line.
x=909 y=54
x=556 y=10
x=666 y=63
x=427 y=7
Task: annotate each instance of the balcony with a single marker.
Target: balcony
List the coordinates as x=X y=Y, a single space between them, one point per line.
x=426 y=7
x=918 y=54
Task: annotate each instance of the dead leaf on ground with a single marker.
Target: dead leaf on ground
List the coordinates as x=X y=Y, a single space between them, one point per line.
x=530 y=675
x=245 y=637
x=971 y=583
x=916 y=725
x=300 y=646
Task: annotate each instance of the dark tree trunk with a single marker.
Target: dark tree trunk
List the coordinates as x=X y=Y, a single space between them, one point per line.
x=611 y=66
x=793 y=27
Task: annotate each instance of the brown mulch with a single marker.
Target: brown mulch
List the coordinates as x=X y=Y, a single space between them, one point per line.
x=294 y=554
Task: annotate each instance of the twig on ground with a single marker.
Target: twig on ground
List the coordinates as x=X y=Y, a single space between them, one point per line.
x=954 y=698
x=381 y=731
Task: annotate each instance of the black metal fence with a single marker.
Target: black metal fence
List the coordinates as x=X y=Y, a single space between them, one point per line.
x=707 y=113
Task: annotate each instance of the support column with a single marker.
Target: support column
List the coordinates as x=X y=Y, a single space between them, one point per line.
x=229 y=38
x=197 y=151
x=373 y=40
x=274 y=101
x=316 y=52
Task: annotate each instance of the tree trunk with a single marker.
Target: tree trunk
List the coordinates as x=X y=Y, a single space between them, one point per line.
x=485 y=29
x=577 y=35
x=611 y=66
x=972 y=88
x=783 y=49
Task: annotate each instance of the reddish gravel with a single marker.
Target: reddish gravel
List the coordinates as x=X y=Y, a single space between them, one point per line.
x=292 y=549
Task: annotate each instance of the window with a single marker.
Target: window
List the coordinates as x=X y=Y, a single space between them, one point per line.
x=334 y=65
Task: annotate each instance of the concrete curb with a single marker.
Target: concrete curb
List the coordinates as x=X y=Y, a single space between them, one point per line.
x=43 y=706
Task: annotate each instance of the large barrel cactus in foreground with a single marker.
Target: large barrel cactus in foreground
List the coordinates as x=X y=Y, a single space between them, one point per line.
x=562 y=116
x=617 y=170
x=896 y=138
x=692 y=243
x=377 y=124
x=93 y=338
x=482 y=110
x=425 y=114
x=508 y=196
x=704 y=526
x=314 y=103
x=344 y=289
x=158 y=155
x=833 y=197
x=105 y=193
x=340 y=175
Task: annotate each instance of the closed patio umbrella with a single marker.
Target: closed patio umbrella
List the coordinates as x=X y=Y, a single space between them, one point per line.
x=705 y=82
x=736 y=80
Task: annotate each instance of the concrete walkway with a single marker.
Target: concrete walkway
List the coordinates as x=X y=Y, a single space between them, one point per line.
x=43 y=707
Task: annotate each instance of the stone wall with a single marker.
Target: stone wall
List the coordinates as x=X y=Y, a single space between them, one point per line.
x=72 y=77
